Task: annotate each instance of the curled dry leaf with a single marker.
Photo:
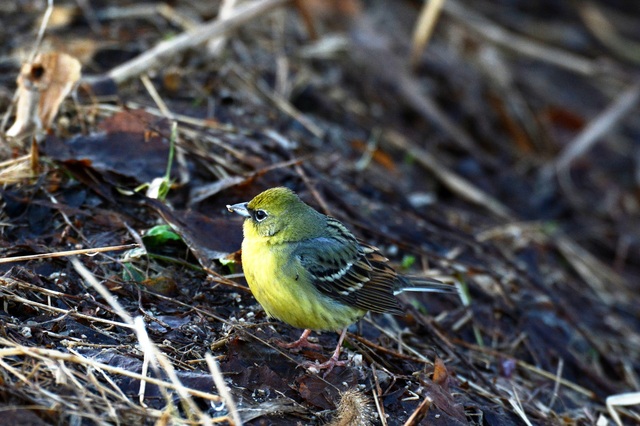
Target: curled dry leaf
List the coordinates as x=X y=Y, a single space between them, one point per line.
x=42 y=85
x=440 y=374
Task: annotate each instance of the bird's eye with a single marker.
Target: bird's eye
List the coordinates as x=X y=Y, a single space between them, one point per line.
x=260 y=215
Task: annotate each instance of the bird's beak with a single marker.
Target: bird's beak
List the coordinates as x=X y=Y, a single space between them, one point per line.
x=240 y=208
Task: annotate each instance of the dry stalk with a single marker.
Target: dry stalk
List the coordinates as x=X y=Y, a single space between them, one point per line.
x=165 y=50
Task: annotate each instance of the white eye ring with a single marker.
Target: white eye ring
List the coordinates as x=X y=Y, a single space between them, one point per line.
x=260 y=215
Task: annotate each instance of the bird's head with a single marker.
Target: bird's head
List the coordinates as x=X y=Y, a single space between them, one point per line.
x=279 y=215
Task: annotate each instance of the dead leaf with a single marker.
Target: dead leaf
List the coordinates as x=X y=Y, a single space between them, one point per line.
x=62 y=16
x=380 y=157
x=208 y=238
x=325 y=393
x=166 y=286
x=130 y=143
x=440 y=374
x=333 y=9
x=42 y=86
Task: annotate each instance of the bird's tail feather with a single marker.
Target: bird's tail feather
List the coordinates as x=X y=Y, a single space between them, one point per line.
x=429 y=285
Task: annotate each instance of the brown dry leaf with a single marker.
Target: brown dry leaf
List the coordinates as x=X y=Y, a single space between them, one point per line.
x=61 y=16
x=437 y=391
x=130 y=143
x=208 y=238
x=42 y=85
x=379 y=156
x=325 y=394
x=81 y=48
x=332 y=9
x=564 y=118
x=336 y=14
x=440 y=374
x=166 y=286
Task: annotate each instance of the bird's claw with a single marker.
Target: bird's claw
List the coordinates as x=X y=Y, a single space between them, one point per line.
x=298 y=345
x=327 y=366
x=302 y=342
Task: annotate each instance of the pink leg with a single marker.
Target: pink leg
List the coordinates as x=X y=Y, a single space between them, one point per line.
x=331 y=362
x=302 y=342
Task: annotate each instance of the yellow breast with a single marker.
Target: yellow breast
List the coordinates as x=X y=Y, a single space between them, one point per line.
x=282 y=287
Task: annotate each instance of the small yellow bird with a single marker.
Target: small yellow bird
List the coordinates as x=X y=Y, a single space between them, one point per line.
x=308 y=270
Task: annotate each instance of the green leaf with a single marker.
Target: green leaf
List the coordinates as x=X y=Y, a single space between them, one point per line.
x=159 y=236
x=408 y=261
x=131 y=273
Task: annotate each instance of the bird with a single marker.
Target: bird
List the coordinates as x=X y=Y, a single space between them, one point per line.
x=308 y=270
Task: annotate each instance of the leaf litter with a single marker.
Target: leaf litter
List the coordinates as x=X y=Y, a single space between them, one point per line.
x=496 y=152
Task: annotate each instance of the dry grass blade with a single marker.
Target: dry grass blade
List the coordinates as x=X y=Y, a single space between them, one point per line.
x=522 y=45
x=216 y=46
x=455 y=183
x=377 y=397
x=419 y=413
x=621 y=107
x=623 y=399
x=596 y=274
x=162 y=106
x=102 y=290
x=16 y=170
x=88 y=252
x=5 y=290
x=536 y=370
x=156 y=358
x=222 y=388
x=155 y=57
x=517 y=407
x=437 y=165
x=14 y=349
x=41 y=30
x=281 y=103
x=606 y=31
x=556 y=385
x=424 y=28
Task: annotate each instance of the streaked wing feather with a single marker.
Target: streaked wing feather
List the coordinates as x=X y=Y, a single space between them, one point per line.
x=355 y=273
x=349 y=271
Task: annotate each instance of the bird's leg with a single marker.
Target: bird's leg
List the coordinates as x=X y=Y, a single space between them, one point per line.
x=302 y=342
x=331 y=362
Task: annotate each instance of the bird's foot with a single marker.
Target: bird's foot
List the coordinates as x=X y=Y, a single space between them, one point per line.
x=301 y=343
x=327 y=366
x=331 y=362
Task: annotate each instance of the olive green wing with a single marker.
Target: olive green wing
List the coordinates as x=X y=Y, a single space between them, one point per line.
x=348 y=271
